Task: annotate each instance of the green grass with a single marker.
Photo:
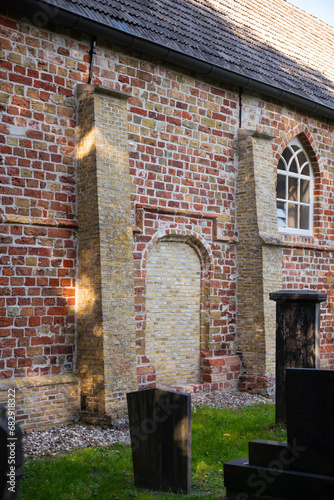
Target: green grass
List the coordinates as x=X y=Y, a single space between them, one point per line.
x=218 y=435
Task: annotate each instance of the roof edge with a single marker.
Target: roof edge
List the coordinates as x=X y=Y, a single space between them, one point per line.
x=45 y=11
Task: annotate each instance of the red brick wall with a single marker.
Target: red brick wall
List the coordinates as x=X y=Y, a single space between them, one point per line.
x=37 y=298
x=182 y=160
x=181 y=157
x=307 y=261
x=314 y=269
x=37 y=194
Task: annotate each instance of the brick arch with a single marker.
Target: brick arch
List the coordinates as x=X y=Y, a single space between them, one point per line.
x=146 y=371
x=203 y=250
x=200 y=245
x=304 y=135
x=173 y=299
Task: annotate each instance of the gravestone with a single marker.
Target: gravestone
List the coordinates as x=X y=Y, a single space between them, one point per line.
x=161 y=439
x=297 y=336
x=310 y=419
x=302 y=468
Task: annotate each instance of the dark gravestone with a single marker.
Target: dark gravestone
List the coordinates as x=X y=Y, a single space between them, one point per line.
x=310 y=419
x=161 y=439
x=297 y=336
x=302 y=468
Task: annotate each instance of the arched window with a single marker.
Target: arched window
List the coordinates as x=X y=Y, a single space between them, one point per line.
x=295 y=190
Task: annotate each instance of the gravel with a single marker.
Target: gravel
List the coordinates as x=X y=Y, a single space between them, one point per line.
x=62 y=438
x=59 y=439
x=228 y=399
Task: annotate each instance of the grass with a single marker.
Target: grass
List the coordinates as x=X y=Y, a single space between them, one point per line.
x=105 y=473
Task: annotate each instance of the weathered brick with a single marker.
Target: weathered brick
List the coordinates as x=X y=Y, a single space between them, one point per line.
x=179 y=161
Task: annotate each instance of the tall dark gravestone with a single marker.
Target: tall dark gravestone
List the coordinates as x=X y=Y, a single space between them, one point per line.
x=310 y=419
x=303 y=467
x=297 y=336
x=160 y=430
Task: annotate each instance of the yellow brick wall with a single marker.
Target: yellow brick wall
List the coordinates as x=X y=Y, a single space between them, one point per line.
x=259 y=253
x=42 y=402
x=106 y=360
x=173 y=313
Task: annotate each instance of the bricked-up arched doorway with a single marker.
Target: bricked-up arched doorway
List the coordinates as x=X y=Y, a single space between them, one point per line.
x=173 y=295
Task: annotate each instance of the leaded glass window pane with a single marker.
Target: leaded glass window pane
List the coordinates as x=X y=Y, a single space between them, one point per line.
x=281 y=186
x=304 y=190
x=292 y=215
x=281 y=214
x=294 y=190
x=281 y=165
x=304 y=216
x=287 y=154
x=306 y=169
x=293 y=167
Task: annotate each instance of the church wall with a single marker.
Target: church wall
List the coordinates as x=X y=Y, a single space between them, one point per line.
x=182 y=160
x=307 y=261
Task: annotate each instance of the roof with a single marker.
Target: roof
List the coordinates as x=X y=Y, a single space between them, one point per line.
x=270 y=41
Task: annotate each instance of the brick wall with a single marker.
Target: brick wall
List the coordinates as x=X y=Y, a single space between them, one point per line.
x=173 y=313
x=307 y=261
x=42 y=402
x=182 y=133
x=38 y=266
x=106 y=326
x=38 y=223
x=259 y=258
x=314 y=269
x=38 y=255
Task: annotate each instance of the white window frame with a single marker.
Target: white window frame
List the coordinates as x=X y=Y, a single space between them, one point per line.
x=310 y=177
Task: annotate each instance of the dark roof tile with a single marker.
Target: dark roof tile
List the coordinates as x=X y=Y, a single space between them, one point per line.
x=269 y=40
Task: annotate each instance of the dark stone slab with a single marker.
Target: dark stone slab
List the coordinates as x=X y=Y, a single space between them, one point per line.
x=236 y=495
x=302 y=468
x=252 y=482
x=297 y=296
x=264 y=453
x=160 y=429
x=310 y=419
x=297 y=336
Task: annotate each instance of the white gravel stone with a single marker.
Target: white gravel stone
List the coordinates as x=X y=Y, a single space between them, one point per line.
x=66 y=437
x=228 y=399
x=62 y=438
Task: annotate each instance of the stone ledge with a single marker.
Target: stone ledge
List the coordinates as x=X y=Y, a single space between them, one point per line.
x=139 y=215
x=307 y=246
x=21 y=383
x=85 y=88
x=268 y=240
x=296 y=295
x=33 y=221
x=245 y=132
